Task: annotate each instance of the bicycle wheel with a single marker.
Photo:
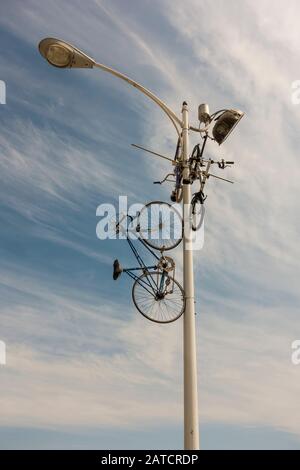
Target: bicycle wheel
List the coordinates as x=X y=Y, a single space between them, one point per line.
x=160 y=225
x=198 y=211
x=159 y=309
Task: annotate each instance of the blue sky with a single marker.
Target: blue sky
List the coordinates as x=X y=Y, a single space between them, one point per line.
x=84 y=369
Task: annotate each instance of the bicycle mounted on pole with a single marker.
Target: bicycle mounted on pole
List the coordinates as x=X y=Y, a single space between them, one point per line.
x=155 y=293
x=199 y=171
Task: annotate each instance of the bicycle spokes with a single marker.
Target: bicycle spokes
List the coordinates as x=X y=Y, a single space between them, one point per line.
x=160 y=226
x=164 y=307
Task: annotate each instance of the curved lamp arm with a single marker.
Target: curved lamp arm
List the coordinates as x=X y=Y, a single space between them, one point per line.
x=175 y=120
x=64 y=55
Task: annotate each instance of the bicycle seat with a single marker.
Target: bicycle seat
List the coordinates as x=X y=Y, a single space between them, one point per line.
x=117 y=269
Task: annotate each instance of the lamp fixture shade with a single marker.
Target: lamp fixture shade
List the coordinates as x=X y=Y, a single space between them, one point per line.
x=225 y=124
x=63 y=55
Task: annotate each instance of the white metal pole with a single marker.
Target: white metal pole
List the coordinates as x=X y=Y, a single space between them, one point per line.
x=191 y=422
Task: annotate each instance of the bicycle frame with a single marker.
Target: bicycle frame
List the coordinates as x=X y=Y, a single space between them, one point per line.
x=149 y=281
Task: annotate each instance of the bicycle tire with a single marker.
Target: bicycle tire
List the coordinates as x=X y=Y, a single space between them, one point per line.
x=197 y=210
x=159 y=243
x=163 y=311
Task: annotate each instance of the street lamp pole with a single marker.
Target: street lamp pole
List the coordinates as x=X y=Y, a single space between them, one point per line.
x=191 y=421
x=62 y=54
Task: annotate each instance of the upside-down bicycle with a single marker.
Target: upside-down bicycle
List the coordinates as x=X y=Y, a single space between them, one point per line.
x=155 y=293
x=199 y=170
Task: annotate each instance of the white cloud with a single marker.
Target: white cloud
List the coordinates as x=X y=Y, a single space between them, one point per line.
x=86 y=367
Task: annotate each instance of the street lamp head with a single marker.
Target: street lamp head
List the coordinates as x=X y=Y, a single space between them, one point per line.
x=225 y=124
x=63 y=55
